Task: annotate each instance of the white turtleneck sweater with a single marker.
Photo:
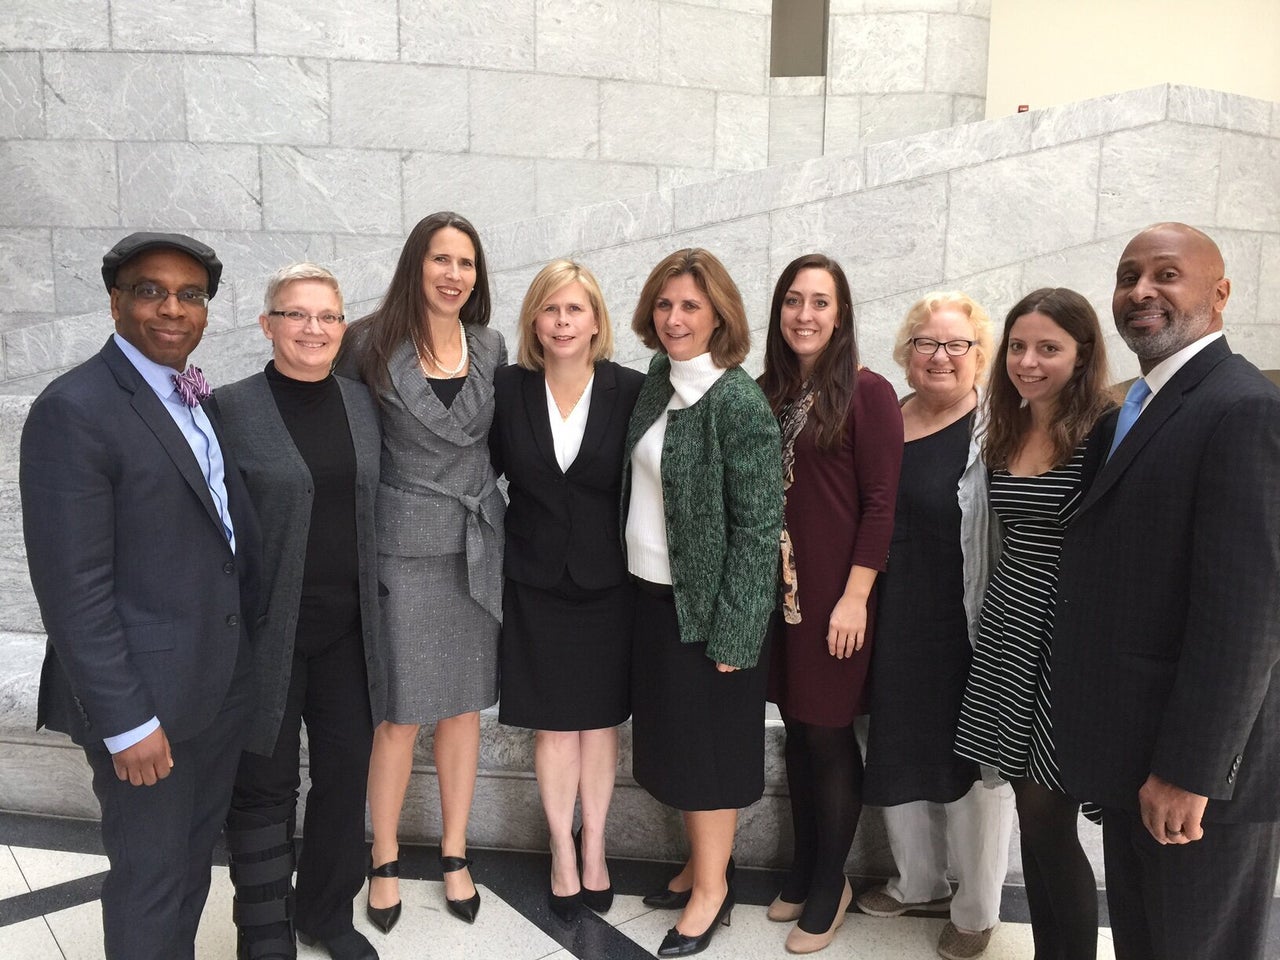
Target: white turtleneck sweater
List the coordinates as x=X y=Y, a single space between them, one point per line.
x=646 y=516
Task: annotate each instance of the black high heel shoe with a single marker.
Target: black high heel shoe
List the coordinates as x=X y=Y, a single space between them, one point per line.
x=462 y=909
x=677 y=944
x=668 y=899
x=598 y=900
x=566 y=908
x=384 y=918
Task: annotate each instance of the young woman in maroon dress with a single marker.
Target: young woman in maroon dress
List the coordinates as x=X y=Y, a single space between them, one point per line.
x=841 y=450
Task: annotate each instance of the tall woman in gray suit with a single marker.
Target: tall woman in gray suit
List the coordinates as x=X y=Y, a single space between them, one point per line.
x=429 y=357
x=307 y=445
x=561 y=418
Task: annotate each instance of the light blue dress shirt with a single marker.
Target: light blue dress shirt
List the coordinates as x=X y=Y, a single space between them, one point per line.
x=198 y=432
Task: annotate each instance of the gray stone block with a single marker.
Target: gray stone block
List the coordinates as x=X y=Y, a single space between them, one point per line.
x=1248 y=197
x=563 y=185
x=257 y=99
x=1215 y=108
x=485 y=190
x=642 y=123
x=55 y=25
x=225 y=26
x=399 y=105
x=590 y=39
x=1044 y=201
x=335 y=29
x=951 y=148
x=842 y=125
x=891 y=116
x=190 y=185
x=1089 y=269
x=26 y=269
x=734 y=56
x=1242 y=252
x=877 y=53
x=1089 y=118
x=796 y=128
x=956 y=59
x=968 y=109
x=351 y=191
x=532 y=115
x=742 y=131
x=491 y=34
x=760 y=191
x=886 y=239
x=77 y=267
x=909 y=6
x=21 y=102
x=1140 y=169
x=113 y=96
x=1269 y=280
x=55 y=346
x=58 y=183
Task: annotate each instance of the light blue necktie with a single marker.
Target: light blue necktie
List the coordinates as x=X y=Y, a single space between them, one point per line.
x=1133 y=400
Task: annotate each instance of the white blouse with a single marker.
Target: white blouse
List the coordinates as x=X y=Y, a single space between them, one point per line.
x=646 y=516
x=566 y=432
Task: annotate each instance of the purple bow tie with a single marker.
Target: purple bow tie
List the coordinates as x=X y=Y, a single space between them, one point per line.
x=191 y=385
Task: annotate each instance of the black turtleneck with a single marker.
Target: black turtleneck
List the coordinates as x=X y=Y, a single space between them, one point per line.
x=316 y=419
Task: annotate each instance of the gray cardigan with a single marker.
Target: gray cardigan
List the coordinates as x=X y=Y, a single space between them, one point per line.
x=281 y=489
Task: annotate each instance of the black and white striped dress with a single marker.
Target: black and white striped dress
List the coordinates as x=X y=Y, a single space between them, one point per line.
x=1005 y=715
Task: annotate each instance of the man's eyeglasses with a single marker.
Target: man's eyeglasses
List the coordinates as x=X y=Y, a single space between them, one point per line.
x=149 y=292
x=299 y=317
x=927 y=346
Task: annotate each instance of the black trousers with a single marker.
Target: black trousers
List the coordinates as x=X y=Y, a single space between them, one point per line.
x=160 y=839
x=1206 y=900
x=329 y=691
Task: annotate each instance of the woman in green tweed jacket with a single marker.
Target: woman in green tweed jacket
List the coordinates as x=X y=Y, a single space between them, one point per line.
x=701 y=511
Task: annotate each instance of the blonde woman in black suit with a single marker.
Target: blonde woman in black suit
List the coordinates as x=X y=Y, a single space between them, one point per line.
x=560 y=420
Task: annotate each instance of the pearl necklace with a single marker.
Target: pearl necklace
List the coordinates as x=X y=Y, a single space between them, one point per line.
x=449 y=374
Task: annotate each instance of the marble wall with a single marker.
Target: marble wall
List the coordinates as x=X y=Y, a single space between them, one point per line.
x=279 y=130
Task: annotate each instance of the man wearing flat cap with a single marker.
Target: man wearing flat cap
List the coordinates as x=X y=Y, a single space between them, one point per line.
x=142 y=548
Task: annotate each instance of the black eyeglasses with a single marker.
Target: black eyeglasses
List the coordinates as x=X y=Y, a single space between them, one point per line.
x=299 y=317
x=927 y=346
x=150 y=292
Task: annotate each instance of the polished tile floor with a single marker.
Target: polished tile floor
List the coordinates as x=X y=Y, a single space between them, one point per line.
x=51 y=870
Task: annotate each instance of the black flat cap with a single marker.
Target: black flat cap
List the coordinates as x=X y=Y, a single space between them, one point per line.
x=136 y=243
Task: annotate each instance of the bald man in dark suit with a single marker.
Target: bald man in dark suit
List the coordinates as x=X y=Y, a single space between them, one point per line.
x=142 y=549
x=1166 y=704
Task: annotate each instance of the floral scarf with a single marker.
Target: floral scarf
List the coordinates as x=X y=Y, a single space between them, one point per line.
x=791 y=420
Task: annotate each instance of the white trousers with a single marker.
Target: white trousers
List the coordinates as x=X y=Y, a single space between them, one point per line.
x=971 y=834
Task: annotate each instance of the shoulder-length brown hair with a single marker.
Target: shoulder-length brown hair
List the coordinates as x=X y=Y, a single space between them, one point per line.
x=836 y=369
x=731 y=339
x=1082 y=401
x=401 y=316
x=550 y=279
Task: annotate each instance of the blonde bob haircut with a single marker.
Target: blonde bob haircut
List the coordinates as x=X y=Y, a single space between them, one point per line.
x=298 y=271
x=925 y=307
x=550 y=279
x=731 y=339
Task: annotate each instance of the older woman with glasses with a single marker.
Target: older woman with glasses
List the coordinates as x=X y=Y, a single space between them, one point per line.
x=309 y=447
x=938 y=810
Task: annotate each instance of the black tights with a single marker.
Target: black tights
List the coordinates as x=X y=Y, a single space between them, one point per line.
x=824 y=774
x=1061 y=891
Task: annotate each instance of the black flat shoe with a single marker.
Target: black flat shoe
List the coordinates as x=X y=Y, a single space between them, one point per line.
x=384 y=918
x=677 y=944
x=462 y=909
x=348 y=945
x=598 y=900
x=668 y=899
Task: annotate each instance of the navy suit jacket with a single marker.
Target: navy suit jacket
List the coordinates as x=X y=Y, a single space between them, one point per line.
x=560 y=520
x=144 y=603
x=1167 y=629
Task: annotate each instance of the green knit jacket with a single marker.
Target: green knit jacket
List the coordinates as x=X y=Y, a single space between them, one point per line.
x=722 y=492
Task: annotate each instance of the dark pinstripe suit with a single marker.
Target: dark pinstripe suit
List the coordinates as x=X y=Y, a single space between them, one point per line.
x=1167 y=636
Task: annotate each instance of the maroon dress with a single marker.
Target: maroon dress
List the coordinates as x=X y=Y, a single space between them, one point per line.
x=839 y=514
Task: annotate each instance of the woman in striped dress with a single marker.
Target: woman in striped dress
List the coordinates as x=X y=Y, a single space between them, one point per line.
x=1041 y=448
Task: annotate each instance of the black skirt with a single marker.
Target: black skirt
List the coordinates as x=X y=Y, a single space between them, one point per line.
x=698 y=734
x=565 y=656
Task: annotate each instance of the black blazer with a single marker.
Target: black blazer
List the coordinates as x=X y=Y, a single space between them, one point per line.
x=143 y=601
x=562 y=520
x=1167 y=631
